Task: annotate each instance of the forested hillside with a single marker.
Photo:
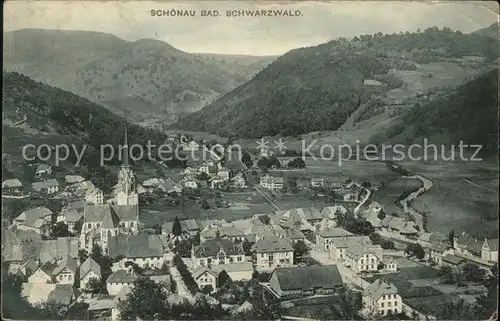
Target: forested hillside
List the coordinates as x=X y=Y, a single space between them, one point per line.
x=149 y=79
x=468 y=114
x=318 y=88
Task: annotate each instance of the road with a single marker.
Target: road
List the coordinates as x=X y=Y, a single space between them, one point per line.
x=486 y=188
x=268 y=199
x=181 y=286
x=419 y=218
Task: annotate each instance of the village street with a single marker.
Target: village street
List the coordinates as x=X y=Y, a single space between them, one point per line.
x=181 y=286
x=418 y=217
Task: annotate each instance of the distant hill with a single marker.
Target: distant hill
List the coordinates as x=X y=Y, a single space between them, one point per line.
x=35 y=112
x=490 y=32
x=319 y=88
x=468 y=113
x=149 y=79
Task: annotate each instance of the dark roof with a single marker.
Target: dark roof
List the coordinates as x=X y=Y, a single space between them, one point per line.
x=135 y=246
x=212 y=247
x=122 y=276
x=273 y=244
x=309 y=277
x=453 y=259
x=97 y=212
x=110 y=220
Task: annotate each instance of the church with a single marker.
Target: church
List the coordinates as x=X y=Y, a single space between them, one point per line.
x=118 y=216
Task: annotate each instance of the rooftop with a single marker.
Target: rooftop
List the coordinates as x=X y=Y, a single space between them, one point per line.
x=309 y=277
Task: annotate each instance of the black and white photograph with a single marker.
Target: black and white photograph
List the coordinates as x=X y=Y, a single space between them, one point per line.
x=250 y=160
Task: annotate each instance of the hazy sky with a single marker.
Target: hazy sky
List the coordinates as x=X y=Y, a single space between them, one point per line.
x=319 y=21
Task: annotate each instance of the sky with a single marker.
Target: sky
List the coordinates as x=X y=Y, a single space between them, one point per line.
x=317 y=23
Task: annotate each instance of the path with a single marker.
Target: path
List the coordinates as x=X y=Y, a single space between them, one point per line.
x=181 y=286
x=363 y=201
x=486 y=188
x=20 y=122
x=268 y=199
x=418 y=217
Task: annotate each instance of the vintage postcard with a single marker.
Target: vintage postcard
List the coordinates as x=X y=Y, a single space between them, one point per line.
x=250 y=160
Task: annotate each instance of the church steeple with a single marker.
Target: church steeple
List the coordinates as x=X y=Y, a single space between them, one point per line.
x=125 y=151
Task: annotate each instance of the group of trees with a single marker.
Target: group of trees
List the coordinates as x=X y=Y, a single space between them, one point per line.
x=296 y=163
x=300 y=250
x=415 y=249
x=355 y=225
x=386 y=244
x=186 y=275
x=269 y=162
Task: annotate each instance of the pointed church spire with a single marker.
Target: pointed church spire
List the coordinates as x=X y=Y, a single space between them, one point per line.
x=125 y=148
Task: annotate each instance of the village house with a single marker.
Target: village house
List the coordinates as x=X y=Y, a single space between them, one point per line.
x=302 y=183
x=351 y=191
x=73 y=179
x=190 y=146
x=489 y=251
x=70 y=217
x=453 y=261
x=332 y=212
x=467 y=245
x=94 y=195
x=272 y=182
x=206 y=277
x=120 y=279
x=325 y=238
x=43 y=170
x=188 y=171
x=216 y=182
x=62 y=272
x=62 y=295
x=294 y=282
x=363 y=257
x=273 y=252
x=89 y=270
x=11 y=186
x=317 y=182
x=236 y=271
x=382 y=298
x=224 y=173
x=37 y=219
x=339 y=246
x=189 y=227
x=224 y=232
x=168 y=186
x=217 y=251
x=49 y=186
x=238 y=181
x=144 y=250
x=190 y=182
x=58 y=249
x=389 y=265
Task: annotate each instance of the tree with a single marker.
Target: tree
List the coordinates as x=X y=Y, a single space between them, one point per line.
x=183 y=248
x=416 y=250
x=60 y=230
x=451 y=237
x=300 y=249
x=381 y=215
x=247 y=247
x=224 y=278
x=387 y=245
x=203 y=176
x=207 y=289
x=473 y=272
x=177 y=228
x=146 y=301
x=78 y=225
x=347 y=306
x=297 y=163
x=446 y=274
x=265 y=219
x=94 y=285
x=246 y=159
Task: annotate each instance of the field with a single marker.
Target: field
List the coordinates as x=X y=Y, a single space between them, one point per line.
x=242 y=205
x=389 y=194
x=454 y=203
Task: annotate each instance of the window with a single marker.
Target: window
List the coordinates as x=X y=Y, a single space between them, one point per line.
x=362 y=261
x=239 y=259
x=395 y=303
x=382 y=304
x=98 y=225
x=69 y=277
x=389 y=304
x=131 y=224
x=89 y=225
x=372 y=261
x=261 y=254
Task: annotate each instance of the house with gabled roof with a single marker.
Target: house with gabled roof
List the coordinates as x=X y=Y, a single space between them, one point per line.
x=225 y=232
x=11 y=186
x=332 y=212
x=94 y=195
x=206 y=277
x=89 y=270
x=41 y=293
x=73 y=179
x=294 y=282
x=468 y=245
x=238 y=181
x=363 y=257
x=489 y=251
x=37 y=219
x=217 y=251
x=144 y=250
x=43 y=169
x=325 y=238
x=60 y=272
x=120 y=279
x=271 y=252
x=189 y=227
x=58 y=249
x=382 y=298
